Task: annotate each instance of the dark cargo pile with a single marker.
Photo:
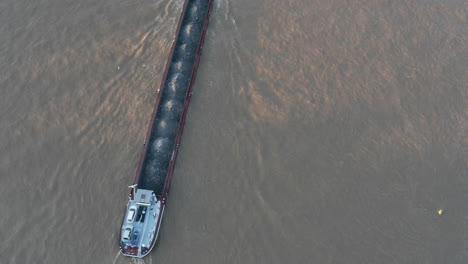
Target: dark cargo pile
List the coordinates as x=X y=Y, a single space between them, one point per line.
x=165 y=128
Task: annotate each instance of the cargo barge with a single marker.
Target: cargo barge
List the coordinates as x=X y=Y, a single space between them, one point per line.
x=148 y=194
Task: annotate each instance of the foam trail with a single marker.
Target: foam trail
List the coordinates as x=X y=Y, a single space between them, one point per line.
x=138 y=261
x=116 y=257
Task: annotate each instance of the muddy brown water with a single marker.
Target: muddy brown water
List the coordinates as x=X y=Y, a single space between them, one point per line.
x=321 y=131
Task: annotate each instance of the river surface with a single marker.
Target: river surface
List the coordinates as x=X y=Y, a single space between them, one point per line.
x=319 y=131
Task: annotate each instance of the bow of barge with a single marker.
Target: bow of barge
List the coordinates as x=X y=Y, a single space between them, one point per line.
x=147 y=199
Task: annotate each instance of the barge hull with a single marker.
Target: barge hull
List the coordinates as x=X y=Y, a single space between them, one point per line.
x=165 y=130
x=156 y=165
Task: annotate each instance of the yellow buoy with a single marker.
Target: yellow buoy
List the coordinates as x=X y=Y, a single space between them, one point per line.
x=440 y=211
